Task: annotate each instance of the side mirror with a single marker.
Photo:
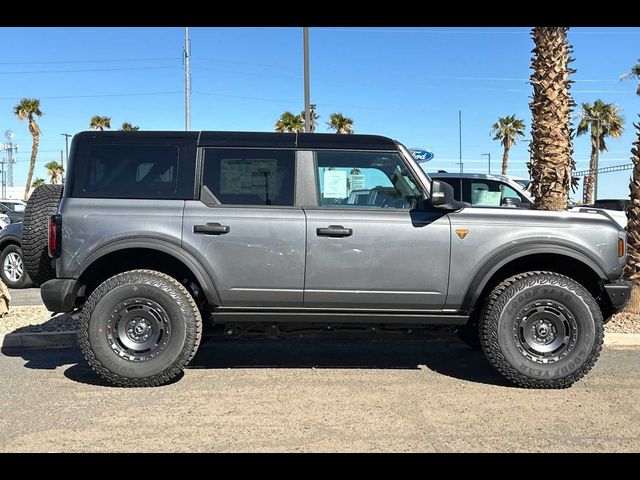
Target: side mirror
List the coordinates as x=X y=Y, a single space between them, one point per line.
x=442 y=194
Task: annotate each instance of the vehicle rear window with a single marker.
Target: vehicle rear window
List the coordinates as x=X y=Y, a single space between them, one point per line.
x=250 y=176
x=129 y=171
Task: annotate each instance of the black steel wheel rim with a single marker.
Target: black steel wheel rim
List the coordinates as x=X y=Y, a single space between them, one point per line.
x=545 y=331
x=138 y=329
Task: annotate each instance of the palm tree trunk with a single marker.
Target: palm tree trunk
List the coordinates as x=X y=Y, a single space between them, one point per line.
x=32 y=164
x=505 y=160
x=632 y=270
x=592 y=168
x=551 y=147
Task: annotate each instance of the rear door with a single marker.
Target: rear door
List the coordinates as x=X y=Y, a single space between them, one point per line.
x=378 y=254
x=246 y=227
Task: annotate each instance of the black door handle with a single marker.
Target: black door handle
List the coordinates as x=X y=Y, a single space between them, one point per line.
x=211 y=229
x=334 y=231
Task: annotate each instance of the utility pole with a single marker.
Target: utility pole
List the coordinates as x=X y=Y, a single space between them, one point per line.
x=307 y=112
x=4 y=180
x=187 y=80
x=66 y=144
x=10 y=148
x=488 y=155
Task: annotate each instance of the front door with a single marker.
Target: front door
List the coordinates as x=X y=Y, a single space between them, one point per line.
x=245 y=228
x=367 y=248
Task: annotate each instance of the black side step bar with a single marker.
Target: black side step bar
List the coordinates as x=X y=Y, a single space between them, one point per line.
x=223 y=315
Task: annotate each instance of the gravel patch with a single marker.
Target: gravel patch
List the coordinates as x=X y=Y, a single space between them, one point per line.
x=35 y=319
x=624 y=322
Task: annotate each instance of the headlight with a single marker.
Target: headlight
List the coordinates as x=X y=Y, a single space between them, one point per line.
x=5 y=218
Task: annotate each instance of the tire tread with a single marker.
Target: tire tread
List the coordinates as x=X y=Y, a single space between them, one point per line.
x=185 y=302
x=489 y=328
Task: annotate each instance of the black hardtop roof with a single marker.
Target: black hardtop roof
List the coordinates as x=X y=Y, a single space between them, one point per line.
x=262 y=139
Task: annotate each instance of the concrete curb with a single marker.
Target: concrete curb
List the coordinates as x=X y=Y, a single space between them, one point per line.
x=622 y=339
x=70 y=339
x=41 y=339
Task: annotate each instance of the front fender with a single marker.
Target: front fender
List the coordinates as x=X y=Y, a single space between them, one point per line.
x=509 y=254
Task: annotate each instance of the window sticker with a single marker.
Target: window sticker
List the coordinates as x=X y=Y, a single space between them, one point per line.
x=248 y=176
x=334 y=184
x=486 y=198
x=357 y=182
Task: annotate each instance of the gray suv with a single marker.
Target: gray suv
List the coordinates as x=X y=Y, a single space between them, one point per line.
x=156 y=232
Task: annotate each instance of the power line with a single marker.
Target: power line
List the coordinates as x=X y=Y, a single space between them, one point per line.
x=99 y=95
x=271 y=65
x=85 y=70
x=251 y=74
x=51 y=62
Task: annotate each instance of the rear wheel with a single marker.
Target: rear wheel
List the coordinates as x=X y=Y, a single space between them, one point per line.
x=12 y=268
x=139 y=329
x=44 y=201
x=541 y=330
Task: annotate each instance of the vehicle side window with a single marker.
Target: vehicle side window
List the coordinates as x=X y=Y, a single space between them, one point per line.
x=489 y=193
x=364 y=180
x=250 y=176
x=130 y=171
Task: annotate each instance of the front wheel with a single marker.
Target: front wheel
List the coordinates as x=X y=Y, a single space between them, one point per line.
x=139 y=329
x=541 y=330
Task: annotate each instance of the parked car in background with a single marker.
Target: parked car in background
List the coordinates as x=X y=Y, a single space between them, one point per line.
x=13 y=208
x=12 y=269
x=486 y=190
x=4 y=220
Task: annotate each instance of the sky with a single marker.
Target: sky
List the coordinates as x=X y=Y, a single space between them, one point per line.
x=405 y=83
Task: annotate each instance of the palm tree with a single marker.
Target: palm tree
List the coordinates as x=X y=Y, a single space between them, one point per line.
x=507 y=130
x=128 y=127
x=100 y=123
x=340 y=123
x=37 y=181
x=29 y=109
x=633 y=73
x=551 y=148
x=632 y=270
x=603 y=121
x=288 y=122
x=313 y=117
x=55 y=171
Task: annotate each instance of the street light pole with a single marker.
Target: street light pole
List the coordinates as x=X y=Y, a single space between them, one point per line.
x=66 y=145
x=187 y=80
x=307 y=112
x=488 y=155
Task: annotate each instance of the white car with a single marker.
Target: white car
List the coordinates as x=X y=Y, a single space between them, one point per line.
x=4 y=220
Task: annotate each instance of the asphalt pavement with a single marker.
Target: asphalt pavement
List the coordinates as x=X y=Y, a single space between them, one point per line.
x=380 y=393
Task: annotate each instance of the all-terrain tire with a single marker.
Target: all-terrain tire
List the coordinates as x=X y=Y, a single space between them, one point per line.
x=115 y=306
x=44 y=201
x=513 y=330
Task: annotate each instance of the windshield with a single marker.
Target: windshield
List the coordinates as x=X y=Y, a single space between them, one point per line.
x=16 y=207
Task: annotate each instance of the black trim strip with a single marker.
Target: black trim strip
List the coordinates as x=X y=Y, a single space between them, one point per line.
x=303 y=316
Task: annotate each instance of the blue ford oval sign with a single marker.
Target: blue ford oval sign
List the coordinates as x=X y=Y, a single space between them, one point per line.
x=421 y=155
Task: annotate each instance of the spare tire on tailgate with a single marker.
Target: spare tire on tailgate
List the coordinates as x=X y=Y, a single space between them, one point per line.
x=43 y=202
